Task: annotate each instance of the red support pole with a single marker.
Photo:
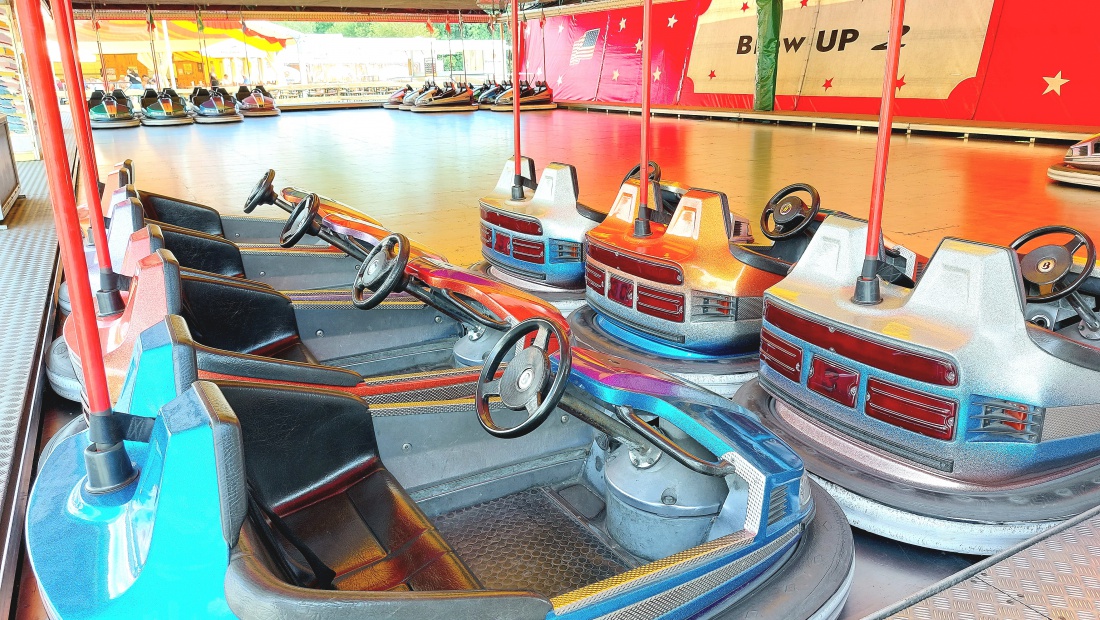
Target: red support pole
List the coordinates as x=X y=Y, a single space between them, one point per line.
x=867 y=289
x=110 y=302
x=48 y=114
x=641 y=223
x=517 y=184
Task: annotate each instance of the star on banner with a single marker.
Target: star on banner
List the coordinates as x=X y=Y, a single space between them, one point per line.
x=560 y=28
x=744 y=7
x=657 y=75
x=1054 y=84
x=672 y=21
x=900 y=82
x=638 y=46
x=828 y=84
x=622 y=24
x=615 y=74
x=803 y=3
x=712 y=76
x=538 y=71
x=559 y=80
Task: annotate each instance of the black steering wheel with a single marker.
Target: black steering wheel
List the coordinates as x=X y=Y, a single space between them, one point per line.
x=789 y=214
x=301 y=221
x=382 y=272
x=1046 y=269
x=527 y=383
x=263 y=194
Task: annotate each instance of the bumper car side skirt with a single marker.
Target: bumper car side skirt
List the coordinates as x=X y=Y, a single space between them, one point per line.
x=223 y=118
x=265 y=112
x=1074 y=175
x=444 y=108
x=165 y=122
x=116 y=124
x=564 y=300
x=523 y=107
x=391 y=106
x=955 y=512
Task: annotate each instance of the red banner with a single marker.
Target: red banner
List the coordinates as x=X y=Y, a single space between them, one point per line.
x=984 y=60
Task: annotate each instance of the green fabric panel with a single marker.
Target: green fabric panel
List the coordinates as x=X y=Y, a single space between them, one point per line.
x=769 y=18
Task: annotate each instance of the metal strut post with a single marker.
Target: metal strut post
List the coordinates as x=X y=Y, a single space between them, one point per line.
x=517 y=182
x=108 y=465
x=641 y=223
x=108 y=298
x=867 y=285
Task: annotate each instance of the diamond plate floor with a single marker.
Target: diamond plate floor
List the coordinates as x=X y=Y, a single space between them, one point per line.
x=1053 y=577
x=527 y=541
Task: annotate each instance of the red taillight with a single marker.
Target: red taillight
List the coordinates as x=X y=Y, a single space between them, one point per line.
x=833 y=381
x=916 y=366
x=621 y=291
x=594 y=278
x=921 y=413
x=661 y=304
x=529 y=251
x=486 y=236
x=784 y=357
x=648 y=270
x=511 y=222
x=503 y=244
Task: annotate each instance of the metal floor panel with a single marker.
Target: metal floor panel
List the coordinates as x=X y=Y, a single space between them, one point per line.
x=1055 y=576
x=528 y=541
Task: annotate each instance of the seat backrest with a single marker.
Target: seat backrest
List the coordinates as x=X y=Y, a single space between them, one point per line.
x=182 y=213
x=237 y=316
x=196 y=250
x=295 y=439
x=243 y=93
x=120 y=95
x=96 y=98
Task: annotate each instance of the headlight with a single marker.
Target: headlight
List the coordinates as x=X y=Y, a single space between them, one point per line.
x=804 y=492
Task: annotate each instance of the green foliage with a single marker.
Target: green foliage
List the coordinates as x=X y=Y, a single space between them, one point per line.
x=394 y=30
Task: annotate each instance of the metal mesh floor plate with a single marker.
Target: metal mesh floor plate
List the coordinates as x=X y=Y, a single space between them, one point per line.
x=527 y=541
x=1055 y=578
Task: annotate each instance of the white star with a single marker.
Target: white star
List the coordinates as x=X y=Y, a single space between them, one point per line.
x=560 y=28
x=638 y=46
x=615 y=74
x=622 y=24
x=559 y=80
x=1054 y=84
x=538 y=71
x=672 y=21
x=657 y=75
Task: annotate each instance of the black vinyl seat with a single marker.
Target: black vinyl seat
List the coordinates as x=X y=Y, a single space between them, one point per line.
x=176 y=212
x=196 y=250
x=312 y=458
x=96 y=98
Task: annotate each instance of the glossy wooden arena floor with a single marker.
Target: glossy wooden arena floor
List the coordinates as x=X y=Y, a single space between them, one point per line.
x=422 y=174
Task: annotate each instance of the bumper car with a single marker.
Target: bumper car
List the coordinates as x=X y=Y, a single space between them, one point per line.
x=535 y=243
x=687 y=298
x=623 y=492
x=957 y=414
x=451 y=97
x=485 y=87
x=537 y=97
x=110 y=112
x=1081 y=165
x=166 y=108
x=486 y=99
x=397 y=96
x=256 y=102
x=214 y=106
x=410 y=97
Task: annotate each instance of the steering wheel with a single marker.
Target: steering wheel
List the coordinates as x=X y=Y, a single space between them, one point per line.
x=382 y=271
x=300 y=221
x=653 y=169
x=789 y=213
x=527 y=382
x=263 y=194
x=1046 y=267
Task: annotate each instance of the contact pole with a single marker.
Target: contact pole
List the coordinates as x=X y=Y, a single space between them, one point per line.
x=517 y=182
x=867 y=285
x=108 y=298
x=641 y=223
x=108 y=465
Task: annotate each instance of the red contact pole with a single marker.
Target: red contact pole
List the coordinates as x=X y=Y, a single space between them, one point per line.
x=108 y=466
x=641 y=223
x=517 y=182
x=110 y=301
x=867 y=286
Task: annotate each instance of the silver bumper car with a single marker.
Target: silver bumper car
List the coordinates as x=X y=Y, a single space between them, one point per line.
x=1081 y=165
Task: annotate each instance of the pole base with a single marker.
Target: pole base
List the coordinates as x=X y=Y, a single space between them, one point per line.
x=109 y=469
x=641 y=228
x=867 y=291
x=109 y=303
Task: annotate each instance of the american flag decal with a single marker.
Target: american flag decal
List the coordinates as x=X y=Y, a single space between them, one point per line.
x=584 y=47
